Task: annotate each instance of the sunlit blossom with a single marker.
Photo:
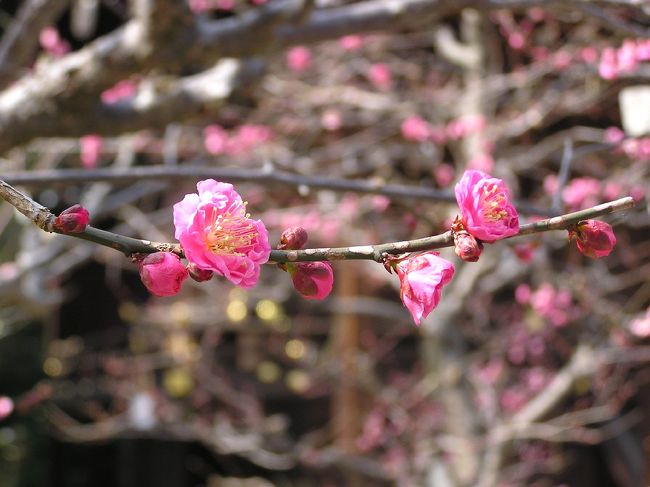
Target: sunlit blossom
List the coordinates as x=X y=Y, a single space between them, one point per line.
x=217 y=233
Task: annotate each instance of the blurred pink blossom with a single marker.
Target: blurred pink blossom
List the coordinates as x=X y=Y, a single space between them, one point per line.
x=444 y=174
x=380 y=76
x=6 y=407
x=640 y=327
x=299 y=59
x=513 y=399
x=613 y=135
x=90 y=148
x=416 y=129
x=581 y=193
x=523 y=294
x=52 y=43
x=525 y=252
x=608 y=67
x=551 y=184
x=588 y=55
x=121 y=90
x=331 y=120
x=215 y=139
x=351 y=42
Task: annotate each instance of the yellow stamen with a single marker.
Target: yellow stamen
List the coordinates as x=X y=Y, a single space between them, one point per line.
x=230 y=232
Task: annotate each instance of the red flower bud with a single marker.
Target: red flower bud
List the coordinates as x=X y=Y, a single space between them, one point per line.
x=162 y=273
x=72 y=220
x=198 y=274
x=294 y=238
x=466 y=247
x=314 y=280
x=594 y=238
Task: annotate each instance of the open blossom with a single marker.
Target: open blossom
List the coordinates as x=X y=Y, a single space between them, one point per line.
x=217 y=234
x=162 y=273
x=485 y=207
x=594 y=238
x=422 y=278
x=313 y=280
x=299 y=59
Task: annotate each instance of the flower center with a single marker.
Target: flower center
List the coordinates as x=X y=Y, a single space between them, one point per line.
x=230 y=232
x=493 y=202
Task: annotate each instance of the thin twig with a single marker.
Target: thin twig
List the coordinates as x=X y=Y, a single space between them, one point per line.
x=42 y=217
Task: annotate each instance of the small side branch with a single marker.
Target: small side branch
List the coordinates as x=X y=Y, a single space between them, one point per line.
x=44 y=219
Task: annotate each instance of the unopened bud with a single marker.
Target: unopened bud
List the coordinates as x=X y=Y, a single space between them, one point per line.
x=466 y=246
x=198 y=274
x=594 y=238
x=72 y=220
x=294 y=238
x=162 y=273
x=314 y=280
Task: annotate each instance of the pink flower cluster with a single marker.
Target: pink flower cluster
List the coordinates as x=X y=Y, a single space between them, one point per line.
x=417 y=129
x=548 y=302
x=625 y=59
x=218 y=141
x=217 y=234
x=637 y=148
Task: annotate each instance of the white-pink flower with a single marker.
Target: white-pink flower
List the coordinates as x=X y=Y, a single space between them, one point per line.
x=217 y=234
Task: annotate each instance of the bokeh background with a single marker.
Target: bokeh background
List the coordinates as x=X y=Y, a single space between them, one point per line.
x=353 y=120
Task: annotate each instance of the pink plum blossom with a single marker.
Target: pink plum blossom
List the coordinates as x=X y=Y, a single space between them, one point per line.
x=485 y=206
x=381 y=76
x=581 y=193
x=313 y=280
x=613 y=135
x=640 y=327
x=299 y=59
x=217 y=234
x=351 y=42
x=90 y=147
x=422 y=278
x=444 y=174
x=415 y=129
x=121 y=90
x=594 y=238
x=215 y=139
x=52 y=42
x=6 y=407
x=162 y=273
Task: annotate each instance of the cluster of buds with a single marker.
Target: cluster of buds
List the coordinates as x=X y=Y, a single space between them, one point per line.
x=313 y=280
